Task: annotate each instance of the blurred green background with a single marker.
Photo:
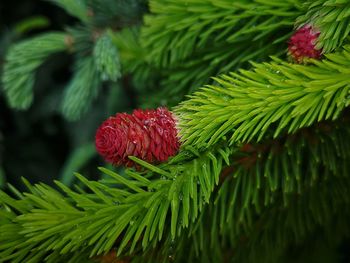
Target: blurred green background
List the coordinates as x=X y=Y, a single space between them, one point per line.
x=38 y=143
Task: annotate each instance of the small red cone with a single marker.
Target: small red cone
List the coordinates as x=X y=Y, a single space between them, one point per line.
x=150 y=135
x=302 y=44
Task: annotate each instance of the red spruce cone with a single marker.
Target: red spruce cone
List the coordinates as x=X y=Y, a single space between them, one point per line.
x=302 y=44
x=150 y=135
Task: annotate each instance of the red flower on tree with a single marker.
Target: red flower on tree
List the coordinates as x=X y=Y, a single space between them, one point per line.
x=150 y=135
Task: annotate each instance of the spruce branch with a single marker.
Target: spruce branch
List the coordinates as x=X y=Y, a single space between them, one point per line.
x=185 y=77
x=244 y=105
x=28 y=24
x=182 y=73
x=174 y=29
x=279 y=170
x=305 y=217
x=331 y=18
x=272 y=232
x=24 y=58
x=81 y=39
x=132 y=54
x=276 y=184
x=82 y=89
x=21 y=62
x=95 y=219
x=134 y=208
x=106 y=57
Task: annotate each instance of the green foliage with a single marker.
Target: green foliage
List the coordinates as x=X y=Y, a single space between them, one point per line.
x=134 y=209
x=177 y=28
x=77 y=8
x=20 y=252
x=259 y=171
x=304 y=217
x=106 y=58
x=18 y=78
x=139 y=206
x=270 y=235
x=244 y=105
x=270 y=199
x=188 y=42
x=331 y=18
x=132 y=55
x=31 y=23
x=82 y=89
x=190 y=75
x=270 y=174
x=92 y=37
